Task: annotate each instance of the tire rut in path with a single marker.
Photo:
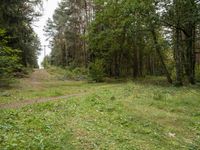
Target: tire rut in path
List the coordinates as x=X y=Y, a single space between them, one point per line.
x=24 y=103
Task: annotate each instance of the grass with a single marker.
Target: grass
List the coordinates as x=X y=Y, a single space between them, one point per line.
x=134 y=115
x=47 y=89
x=41 y=87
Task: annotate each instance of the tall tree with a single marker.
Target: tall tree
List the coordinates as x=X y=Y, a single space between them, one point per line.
x=68 y=28
x=16 y=17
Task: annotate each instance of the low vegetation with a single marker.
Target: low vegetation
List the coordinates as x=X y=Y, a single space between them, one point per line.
x=141 y=114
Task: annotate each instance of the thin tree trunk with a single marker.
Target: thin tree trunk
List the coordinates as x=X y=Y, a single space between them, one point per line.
x=117 y=71
x=158 y=50
x=190 y=54
x=178 y=59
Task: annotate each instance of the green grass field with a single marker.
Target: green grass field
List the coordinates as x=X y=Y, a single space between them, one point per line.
x=132 y=115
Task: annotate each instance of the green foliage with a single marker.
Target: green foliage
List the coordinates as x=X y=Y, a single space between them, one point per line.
x=77 y=74
x=69 y=73
x=16 y=18
x=9 y=60
x=133 y=37
x=96 y=70
x=46 y=62
x=67 y=31
x=198 y=73
x=120 y=34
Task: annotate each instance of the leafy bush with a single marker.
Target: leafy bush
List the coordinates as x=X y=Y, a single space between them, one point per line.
x=96 y=71
x=198 y=74
x=76 y=73
x=68 y=73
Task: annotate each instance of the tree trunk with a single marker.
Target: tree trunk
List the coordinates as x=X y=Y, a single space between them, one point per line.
x=190 y=54
x=158 y=50
x=135 y=63
x=178 y=60
x=117 y=69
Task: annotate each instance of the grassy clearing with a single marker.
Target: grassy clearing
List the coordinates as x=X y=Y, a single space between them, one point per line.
x=41 y=85
x=132 y=115
x=46 y=89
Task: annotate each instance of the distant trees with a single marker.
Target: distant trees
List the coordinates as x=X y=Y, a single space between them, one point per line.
x=19 y=44
x=131 y=37
x=67 y=32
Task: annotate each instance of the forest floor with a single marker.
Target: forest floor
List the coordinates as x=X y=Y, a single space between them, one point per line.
x=42 y=112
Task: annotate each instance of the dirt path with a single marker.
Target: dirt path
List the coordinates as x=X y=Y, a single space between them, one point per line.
x=35 y=80
x=39 y=75
x=36 y=101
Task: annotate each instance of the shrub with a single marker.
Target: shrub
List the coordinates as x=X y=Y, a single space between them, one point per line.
x=68 y=73
x=76 y=73
x=198 y=74
x=96 y=71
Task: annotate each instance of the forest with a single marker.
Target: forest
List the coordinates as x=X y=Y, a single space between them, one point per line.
x=19 y=44
x=128 y=38
x=116 y=38
x=121 y=75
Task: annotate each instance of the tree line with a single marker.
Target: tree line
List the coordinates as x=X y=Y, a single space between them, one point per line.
x=130 y=37
x=124 y=38
x=19 y=44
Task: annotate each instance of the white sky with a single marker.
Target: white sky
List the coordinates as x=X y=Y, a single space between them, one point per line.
x=49 y=7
